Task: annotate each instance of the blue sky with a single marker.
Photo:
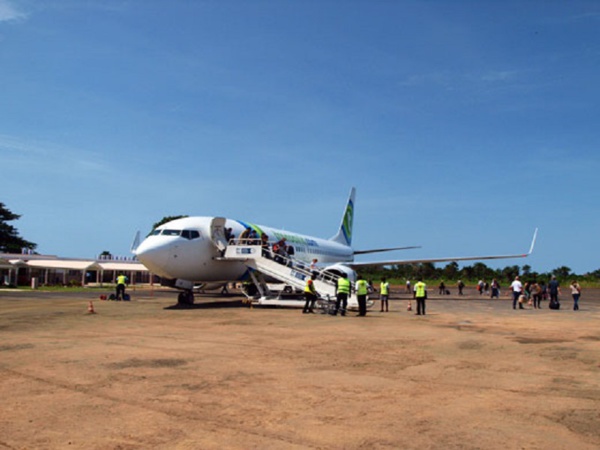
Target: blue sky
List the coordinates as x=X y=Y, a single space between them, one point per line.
x=464 y=125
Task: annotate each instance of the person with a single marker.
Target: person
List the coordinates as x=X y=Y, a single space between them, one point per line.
x=408 y=286
x=253 y=238
x=275 y=249
x=279 y=250
x=554 y=288
x=362 y=289
x=461 y=286
x=243 y=240
x=121 y=282
x=517 y=288
x=527 y=292
x=495 y=289
x=264 y=244
x=536 y=294
x=420 y=296
x=313 y=266
x=576 y=293
x=442 y=287
x=384 y=291
x=544 y=290
x=310 y=293
x=342 y=291
x=229 y=235
x=480 y=287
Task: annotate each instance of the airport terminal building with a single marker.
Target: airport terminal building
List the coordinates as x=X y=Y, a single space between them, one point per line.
x=34 y=270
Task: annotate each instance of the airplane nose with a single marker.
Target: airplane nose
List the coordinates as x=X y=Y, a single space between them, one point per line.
x=153 y=255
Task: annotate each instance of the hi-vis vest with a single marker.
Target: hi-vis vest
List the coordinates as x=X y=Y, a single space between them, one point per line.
x=309 y=287
x=121 y=279
x=385 y=288
x=420 y=288
x=343 y=286
x=361 y=287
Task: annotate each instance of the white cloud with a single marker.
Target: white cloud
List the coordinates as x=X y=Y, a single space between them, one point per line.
x=8 y=12
x=41 y=157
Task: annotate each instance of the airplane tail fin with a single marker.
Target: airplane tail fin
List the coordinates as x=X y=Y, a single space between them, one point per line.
x=344 y=234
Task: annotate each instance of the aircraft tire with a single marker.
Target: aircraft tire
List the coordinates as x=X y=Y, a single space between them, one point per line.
x=185 y=298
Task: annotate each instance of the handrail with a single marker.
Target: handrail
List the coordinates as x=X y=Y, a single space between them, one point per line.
x=287 y=260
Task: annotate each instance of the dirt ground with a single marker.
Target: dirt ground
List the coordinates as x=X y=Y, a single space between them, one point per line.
x=472 y=374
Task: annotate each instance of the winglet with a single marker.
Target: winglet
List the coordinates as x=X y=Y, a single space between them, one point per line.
x=533 y=241
x=135 y=243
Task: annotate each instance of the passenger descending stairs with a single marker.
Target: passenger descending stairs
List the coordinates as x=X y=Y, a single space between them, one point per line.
x=288 y=271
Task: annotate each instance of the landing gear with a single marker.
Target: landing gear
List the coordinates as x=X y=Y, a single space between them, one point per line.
x=185 y=298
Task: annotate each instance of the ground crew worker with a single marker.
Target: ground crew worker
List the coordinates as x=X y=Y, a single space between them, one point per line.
x=121 y=281
x=384 y=290
x=310 y=293
x=420 y=295
x=362 y=289
x=342 y=291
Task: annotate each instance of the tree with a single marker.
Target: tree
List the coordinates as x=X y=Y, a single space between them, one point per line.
x=562 y=272
x=165 y=220
x=10 y=241
x=450 y=272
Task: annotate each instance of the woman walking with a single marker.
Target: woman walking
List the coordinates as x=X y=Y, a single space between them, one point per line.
x=576 y=293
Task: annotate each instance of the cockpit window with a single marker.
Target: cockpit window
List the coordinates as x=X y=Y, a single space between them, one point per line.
x=156 y=232
x=166 y=232
x=190 y=234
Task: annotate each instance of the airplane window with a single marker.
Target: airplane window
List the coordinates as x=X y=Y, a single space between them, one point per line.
x=156 y=232
x=166 y=232
x=190 y=234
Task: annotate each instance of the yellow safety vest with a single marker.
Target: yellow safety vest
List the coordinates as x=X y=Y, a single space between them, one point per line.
x=361 y=287
x=385 y=288
x=309 y=287
x=343 y=286
x=121 y=279
x=420 y=288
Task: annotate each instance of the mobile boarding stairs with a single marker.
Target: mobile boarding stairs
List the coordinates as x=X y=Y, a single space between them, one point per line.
x=289 y=272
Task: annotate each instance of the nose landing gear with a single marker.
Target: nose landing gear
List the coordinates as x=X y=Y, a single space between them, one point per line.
x=185 y=298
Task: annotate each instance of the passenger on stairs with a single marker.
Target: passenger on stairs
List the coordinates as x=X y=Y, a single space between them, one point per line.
x=243 y=240
x=264 y=243
x=279 y=251
x=229 y=235
x=313 y=266
x=253 y=238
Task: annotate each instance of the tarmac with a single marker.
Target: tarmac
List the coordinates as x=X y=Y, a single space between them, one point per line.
x=471 y=374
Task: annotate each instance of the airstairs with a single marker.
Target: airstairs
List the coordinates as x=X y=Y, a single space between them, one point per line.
x=289 y=272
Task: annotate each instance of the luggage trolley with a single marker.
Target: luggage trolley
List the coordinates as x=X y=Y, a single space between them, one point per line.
x=326 y=305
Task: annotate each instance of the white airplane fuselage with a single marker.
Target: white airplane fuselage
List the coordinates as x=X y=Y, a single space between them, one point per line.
x=190 y=249
x=186 y=249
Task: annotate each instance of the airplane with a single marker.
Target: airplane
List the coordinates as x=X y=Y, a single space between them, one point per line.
x=189 y=251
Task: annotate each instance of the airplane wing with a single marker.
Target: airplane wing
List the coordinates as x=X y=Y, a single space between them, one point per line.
x=356 y=265
x=377 y=250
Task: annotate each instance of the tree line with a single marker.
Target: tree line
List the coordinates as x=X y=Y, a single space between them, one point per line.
x=473 y=273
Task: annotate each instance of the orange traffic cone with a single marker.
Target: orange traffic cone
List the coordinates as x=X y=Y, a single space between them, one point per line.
x=91 y=308
x=409 y=307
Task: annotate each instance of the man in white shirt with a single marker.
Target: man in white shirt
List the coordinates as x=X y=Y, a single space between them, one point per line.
x=517 y=289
